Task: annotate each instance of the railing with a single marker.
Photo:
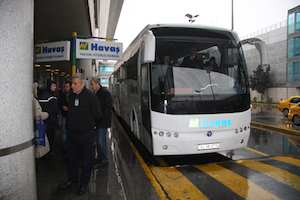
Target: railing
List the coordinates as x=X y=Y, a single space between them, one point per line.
x=265 y=30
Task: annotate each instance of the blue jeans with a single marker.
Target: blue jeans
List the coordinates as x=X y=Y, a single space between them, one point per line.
x=100 y=138
x=64 y=131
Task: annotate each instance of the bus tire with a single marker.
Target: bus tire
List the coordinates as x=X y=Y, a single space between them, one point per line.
x=116 y=106
x=134 y=125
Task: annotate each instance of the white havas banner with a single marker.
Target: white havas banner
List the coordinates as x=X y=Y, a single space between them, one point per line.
x=100 y=50
x=52 y=51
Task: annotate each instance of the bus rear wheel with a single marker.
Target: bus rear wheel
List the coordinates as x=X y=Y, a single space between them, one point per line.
x=134 y=126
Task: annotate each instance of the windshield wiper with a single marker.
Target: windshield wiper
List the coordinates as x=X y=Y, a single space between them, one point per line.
x=209 y=85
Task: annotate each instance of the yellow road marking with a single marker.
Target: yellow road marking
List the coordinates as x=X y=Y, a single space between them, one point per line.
x=289 y=160
x=148 y=173
x=240 y=185
x=176 y=185
x=261 y=153
x=161 y=162
x=274 y=172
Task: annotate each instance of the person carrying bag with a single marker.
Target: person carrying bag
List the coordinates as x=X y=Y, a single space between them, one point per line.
x=42 y=144
x=41 y=140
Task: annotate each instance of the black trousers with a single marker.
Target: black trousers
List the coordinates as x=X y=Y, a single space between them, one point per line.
x=50 y=135
x=80 y=151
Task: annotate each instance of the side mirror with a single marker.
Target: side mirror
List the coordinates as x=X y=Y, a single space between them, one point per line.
x=148 y=48
x=261 y=47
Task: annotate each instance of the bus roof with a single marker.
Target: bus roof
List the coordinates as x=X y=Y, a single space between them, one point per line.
x=150 y=26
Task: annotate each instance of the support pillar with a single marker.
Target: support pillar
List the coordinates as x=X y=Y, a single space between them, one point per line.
x=17 y=162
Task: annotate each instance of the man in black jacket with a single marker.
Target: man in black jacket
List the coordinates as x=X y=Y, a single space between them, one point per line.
x=100 y=134
x=83 y=115
x=192 y=60
x=63 y=103
x=49 y=104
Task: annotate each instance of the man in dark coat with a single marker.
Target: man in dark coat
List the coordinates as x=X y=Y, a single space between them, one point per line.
x=100 y=134
x=192 y=60
x=49 y=104
x=63 y=103
x=83 y=114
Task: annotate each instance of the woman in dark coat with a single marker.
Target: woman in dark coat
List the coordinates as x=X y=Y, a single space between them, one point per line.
x=49 y=103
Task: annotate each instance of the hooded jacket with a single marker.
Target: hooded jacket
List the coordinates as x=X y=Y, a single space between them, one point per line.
x=48 y=101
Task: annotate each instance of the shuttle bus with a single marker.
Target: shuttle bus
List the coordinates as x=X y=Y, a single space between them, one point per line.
x=178 y=106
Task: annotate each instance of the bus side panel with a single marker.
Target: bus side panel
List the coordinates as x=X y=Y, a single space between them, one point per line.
x=124 y=102
x=200 y=134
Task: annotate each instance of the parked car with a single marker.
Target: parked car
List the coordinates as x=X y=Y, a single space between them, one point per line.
x=294 y=113
x=284 y=106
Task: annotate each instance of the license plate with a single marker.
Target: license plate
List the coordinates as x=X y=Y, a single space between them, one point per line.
x=208 y=146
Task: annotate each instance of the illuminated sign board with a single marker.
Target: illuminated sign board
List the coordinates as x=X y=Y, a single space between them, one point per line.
x=100 y=50
x=196 y=123
x=52 y=51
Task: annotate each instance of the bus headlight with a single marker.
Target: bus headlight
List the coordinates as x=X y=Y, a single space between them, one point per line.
x=176 y=135
x=161 y=133
x=168 y=134
x=165 y=147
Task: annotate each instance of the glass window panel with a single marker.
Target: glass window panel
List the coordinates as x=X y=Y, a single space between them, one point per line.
x=293 y=72
x=297 y=25
x=106 y=69
x=291 y=23
x=289 y=72
x=290 y=48
x=296 y=71
x=297 y=46
x=104 y=81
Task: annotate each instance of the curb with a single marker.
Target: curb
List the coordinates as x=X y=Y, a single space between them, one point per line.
x=293 y=132
x=265 y=105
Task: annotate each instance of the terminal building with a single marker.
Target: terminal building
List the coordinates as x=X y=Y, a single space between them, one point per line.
x=25 y=23
x=283 y=42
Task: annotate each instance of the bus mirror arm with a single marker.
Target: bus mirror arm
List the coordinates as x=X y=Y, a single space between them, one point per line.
x=261 y=47
x=148 y=48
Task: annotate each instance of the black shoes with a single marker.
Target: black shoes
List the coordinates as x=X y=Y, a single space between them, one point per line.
x=68 y=185
x=82 y=190
x=53 y=154
x=49 y=155
x=99 y=163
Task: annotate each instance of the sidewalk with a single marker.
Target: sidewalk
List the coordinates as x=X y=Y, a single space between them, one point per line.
x=122 y=178
x=54 y=173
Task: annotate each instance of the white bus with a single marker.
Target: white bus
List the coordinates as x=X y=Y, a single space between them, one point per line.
x=184 y=107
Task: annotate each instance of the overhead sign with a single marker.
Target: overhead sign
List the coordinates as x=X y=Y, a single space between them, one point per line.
x=100 y=50
x=53 y=51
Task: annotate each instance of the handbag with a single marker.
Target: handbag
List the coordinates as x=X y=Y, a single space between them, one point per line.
x=40 y=132
x=41 y=150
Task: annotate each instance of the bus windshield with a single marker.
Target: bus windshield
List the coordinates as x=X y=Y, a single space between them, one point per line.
x=198 y=72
